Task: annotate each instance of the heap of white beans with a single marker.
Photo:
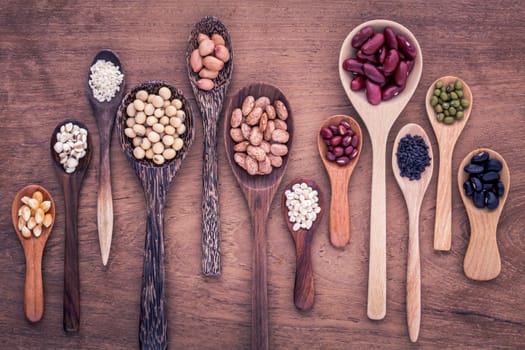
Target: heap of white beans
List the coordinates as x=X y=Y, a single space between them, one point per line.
x=302 y=203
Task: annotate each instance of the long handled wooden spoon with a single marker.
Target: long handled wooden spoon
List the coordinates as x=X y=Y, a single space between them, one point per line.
x=339 y=225
x=259 y=191
x=33 y=251
x=378 y=120
x=446 y=135
x=155 y=181
x=105 y=113
x=482 y=259
x=210 y=105
x=71 y=184
x=413 y=191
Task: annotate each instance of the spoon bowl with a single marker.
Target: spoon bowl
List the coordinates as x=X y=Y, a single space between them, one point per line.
x=105 y=113
x=378 y=120
x=33 y=251
x=339 y=175
x=413 y=192
x=259 y=191
x=482 y=259
x=446 y=136
x=304 y=290
x=210 y=105
x=155 y=181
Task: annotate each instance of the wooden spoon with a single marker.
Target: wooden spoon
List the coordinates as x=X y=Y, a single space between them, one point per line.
x=413 y=191
x=71 y=184
x=258 y=191
x=210 y=105
x=155 y=181
x=105 y=113
x=339 y=225
x=304 y=277
x=482 y=259
x=378 y=120
x=33 y=251
x=446 y=135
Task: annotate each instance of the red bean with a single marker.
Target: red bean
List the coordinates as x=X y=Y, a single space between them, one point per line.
x=373 y=44
x=373 y=73
x=336 y=140
x=406 y=47
x=401 y=74
x=362 y=36
x=342 y=160
x=339 y=151
x=353 y=65
x=381 y=54
x=341 y=129
x=330 y=156
x=347 y=140
x=391 y=61
x=390 y=38
x=349 y=150
x=355 y=141
x=354 y=153
x=373 y=92
x=346 y=125
x=366 y=58
x=326 y=142
x=390 y=91
x=334 y=129
x=357 y=83
x=326 y=133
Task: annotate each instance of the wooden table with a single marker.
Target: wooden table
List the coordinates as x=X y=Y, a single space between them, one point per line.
x=45 y=52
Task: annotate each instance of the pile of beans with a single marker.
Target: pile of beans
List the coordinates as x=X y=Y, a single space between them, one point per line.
x=484 y=185
x=412 y=156
x=341 y=142
x=448 y=101
x=155 y=124
x=33 y=214
x=260 y=133
x=303 y=208
x=208 y=59
x=382 y=64
x=71 y=145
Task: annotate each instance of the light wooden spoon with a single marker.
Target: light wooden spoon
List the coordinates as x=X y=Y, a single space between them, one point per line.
x=33 y=251
x=378 y=120
x=413 y=191
x=482 y=259
x=339 y=224
x=446 y=135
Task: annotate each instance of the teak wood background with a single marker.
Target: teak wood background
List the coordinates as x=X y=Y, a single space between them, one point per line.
x=45 y=51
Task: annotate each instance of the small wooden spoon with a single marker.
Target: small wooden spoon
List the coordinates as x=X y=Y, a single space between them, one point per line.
x=259 y=192
x=304 y=277
x=339 y=225
x=155 y=181
x=413 y=191
x=210 y=106
x=378 y=120
x=482 y=259
x=71 y=184
x=105 y=113
x=446 y=135
x=33 y=251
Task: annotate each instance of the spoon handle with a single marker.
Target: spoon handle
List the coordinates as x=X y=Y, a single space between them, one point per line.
x=153 y=316
x=304 y=277
x=211 y=237
x=413 y=275
x=104 y=204
x=34 y=288
x=443 y=223
x=339 y=224
x=482 y=259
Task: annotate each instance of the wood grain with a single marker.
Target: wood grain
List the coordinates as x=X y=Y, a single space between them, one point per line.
x=45 y=48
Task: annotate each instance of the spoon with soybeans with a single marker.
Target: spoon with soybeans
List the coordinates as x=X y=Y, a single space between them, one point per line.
x=413 y=191
x=71 y=150
x=379 y=118
x=33 y=216
x=446 y=135
x=105 y=112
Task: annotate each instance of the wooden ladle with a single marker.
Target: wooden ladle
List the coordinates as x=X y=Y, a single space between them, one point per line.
x=155 y=181
x=71 y=185
x=446 y=135
x=482 y=259
x=105 y=113
x=210 y=105
x=339 y=224
x=259 y=191
x=378 y=120
x=33 y=251
x=304 y=291
x=413 y=192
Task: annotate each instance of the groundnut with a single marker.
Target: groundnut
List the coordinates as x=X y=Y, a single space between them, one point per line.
x=363 y=35
x=390 y=91
x=246 y=130
x=240 y=158
x=256 y=136
x=252 y=166
x=279 y=149
x=241 y=146
x=391 y=61
x=373 y=92
x=236 y=134
x=254 y=116
x=212 y=63
x=236 y=118
x=353 y=65
x=196 y=61
x=208 y=73
x=222 y=53
x=201 y=37
x=206 y=47
x=406 y=47
x=280 y=136
x=218 y=39
x=373 y=73
x=372 y=45
x=357 y=83
x=256 y=152
x=281 y=110
x=401 y=74
x=247 y=105
x=205 y=84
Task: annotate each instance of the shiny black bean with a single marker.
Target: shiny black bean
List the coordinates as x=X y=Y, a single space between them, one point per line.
x=491 y=200
x=476 y=184
x=488 y=186
x=493 y=165
x=473 y=168
x=467 y=187
x=479 y=199
x=500 y=189
x=491 y=176
x=480 y=158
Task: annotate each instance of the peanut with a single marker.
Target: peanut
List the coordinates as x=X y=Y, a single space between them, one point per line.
x=213 y=63
x=208 y=73
x=201 y=37
x=195 y=62
x=206 y=47
x=205 y=84
x=218 y=39
x=222 y=53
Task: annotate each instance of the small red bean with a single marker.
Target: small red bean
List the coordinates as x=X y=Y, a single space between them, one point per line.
x=354 y=153
x=341 y=130
x=372 y=45
x=349 y=150
x=346 y=124
x=353 y=65
x=336 y=140
x=334 y=129
x=362 y=36
x=342 y=160
x=391 y=61
x=401 y=74
x=373 y=73
x=406 y=47
x=347 y=140
x=390 y=38
x=330 y=156
x=327 y=142
x=357 y=83
x=326 y=133
x=339 y=151
x=373 y=92
x=355 y=141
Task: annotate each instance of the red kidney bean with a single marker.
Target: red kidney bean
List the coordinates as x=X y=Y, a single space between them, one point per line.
x=391 y=61
x=347 y=140
x=410 y=65
x=391 y=90
x=330 y=156
x=339 y=151
x=381 y=54
x=349 y=150
x=366 y=58
x=336 y=140
x=373 y=73
x=354 y=153
x=341 y=129
x=362 y=36
x=355 y=141
x=390 y=38
x=373 y=44
x=406 y=47
x=346 y=125
x=353 y=65
x=357 y=83
x=373 y=92
x=401 y=74
x=342 y=160
x=326 y=133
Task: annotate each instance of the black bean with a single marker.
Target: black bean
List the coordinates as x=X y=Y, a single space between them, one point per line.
x=491 y=200
x=488 y=186
x=476 y=184
x=467 y=187
x=473 y=168
x=491 y=176
x=479 y=199
x=480 y=158
x=493 y=165
x=500 y=189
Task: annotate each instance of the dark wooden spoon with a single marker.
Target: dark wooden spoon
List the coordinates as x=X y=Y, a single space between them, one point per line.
x=155 y=181
x=304 y=277
x=105 y=113
x=210 y=105
x=258 y=191
x=71 y=184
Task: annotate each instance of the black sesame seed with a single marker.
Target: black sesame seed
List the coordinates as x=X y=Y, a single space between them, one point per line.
x=412 y=156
